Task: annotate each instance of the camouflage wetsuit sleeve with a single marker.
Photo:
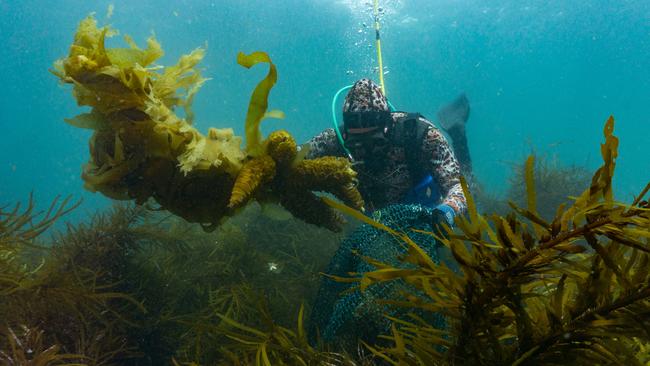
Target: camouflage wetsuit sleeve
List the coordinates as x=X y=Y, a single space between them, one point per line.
x=325 y=143
x=438 y=158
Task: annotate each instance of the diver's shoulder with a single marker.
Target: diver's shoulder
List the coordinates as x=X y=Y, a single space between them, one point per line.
x=326 y=134
x=323 y=144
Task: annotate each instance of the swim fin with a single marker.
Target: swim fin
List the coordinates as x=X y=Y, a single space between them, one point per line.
x=455 y=113
x=453 y=118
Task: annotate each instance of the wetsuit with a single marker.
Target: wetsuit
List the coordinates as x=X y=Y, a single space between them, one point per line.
x=389 y=178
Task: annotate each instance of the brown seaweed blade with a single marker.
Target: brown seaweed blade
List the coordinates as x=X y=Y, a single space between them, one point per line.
x=328 y=174
x=259 y=100
x=255 y=174
x=142 y=150
x=529 y=291
x=18 y=227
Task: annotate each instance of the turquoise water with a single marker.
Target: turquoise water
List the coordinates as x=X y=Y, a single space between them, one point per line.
x=540 y=75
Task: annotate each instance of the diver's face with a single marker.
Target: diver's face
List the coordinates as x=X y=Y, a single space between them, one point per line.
x=367 y=143
x=366 y=134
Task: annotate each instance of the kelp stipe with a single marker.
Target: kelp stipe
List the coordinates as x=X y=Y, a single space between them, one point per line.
x=574 y=289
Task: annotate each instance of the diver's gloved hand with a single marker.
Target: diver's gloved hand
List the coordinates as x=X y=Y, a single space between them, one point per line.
x=443 y=214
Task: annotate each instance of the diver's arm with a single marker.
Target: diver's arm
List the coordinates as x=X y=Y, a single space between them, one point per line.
x=438 y=158
x=325 y=143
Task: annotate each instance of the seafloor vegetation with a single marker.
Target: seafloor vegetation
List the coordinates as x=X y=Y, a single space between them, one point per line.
x=542 y=282
x=554 y=181
x=136 y=287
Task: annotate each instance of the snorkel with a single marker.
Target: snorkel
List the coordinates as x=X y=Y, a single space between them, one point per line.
x=336 y=122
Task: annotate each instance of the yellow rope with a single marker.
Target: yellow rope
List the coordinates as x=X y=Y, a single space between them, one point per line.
x=378 y=42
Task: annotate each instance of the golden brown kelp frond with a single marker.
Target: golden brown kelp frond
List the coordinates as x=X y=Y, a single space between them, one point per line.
x=255 y=174
x=141 y=149
x=259 y=100
x=281 y=146
x=273 y=344
x=643 y=351
x=329 y=174
x=531 y=291
x=297 y=179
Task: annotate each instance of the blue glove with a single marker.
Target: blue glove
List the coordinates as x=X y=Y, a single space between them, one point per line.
x=443 y=214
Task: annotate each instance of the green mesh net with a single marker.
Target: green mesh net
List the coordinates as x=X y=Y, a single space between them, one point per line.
x=342 y=314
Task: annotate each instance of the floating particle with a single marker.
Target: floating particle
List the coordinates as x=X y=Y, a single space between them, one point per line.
x=273 y=267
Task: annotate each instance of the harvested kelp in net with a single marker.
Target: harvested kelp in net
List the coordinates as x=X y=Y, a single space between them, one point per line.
x=573 y=290
x=142 y=150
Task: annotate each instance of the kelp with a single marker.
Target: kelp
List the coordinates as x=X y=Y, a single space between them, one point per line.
x=135 y=287
x=275 y=344
x=20 y=226
x=129 y=286
x=259 y=100
x=55 y=308
x=272 y=263
x=26 y=348
x=142 y=150
x=574 y=289
x=554 y=184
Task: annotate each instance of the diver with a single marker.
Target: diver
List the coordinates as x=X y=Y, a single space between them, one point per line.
x=409 y=178
x=401 y=157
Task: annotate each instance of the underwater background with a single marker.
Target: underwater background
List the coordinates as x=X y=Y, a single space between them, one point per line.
x=547 y=266
x=541 y=76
